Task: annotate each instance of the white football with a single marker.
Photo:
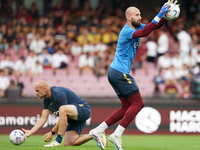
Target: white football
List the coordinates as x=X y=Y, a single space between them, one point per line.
x=17 y=137
x=173 y=12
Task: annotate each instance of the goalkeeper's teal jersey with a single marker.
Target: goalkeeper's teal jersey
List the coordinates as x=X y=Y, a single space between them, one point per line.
x=126 y=49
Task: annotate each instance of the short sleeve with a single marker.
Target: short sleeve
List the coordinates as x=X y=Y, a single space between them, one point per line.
x=45 y=104
x=62 y=98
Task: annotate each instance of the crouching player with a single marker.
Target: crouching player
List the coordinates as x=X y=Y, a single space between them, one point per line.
x=72 y=110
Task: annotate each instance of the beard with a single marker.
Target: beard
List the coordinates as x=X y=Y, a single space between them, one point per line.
x=43 y=95
x=135 y=24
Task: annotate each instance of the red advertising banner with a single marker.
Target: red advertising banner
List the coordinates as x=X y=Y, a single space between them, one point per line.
x=152 y=119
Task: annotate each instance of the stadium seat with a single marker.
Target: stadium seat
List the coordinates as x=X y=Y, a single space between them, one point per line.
x=23 y=52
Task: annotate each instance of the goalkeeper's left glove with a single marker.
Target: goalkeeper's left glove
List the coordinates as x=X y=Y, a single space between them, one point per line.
x=165 y=8
x=171 y=2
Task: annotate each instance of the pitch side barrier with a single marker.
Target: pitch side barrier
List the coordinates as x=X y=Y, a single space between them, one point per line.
x=164 y=117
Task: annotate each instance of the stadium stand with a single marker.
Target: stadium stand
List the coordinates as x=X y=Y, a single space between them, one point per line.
x=86 y=30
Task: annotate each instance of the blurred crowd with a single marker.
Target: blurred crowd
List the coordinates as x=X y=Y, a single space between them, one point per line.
x=30 y=43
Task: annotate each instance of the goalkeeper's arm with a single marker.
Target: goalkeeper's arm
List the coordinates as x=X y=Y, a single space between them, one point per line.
x=148 y=29
x=156 y=23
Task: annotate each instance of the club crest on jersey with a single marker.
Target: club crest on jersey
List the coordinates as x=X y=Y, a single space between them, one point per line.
x=135 y=44
x=81 y=105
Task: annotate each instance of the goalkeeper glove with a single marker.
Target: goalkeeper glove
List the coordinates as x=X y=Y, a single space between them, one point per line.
x=165 y=8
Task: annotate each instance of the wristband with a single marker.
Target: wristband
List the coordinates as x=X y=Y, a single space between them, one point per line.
x=156 y=19
x=53 y=132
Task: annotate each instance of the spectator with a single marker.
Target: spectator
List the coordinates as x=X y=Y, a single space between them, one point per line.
x=177 y=62
x=20 y=68
x=36 y=70
x=87 y=12
x=24 y=25
x=6 y=11
x=109 y=37
x=71 y=34
x=48 y=38
x=73 y=11
x=13 y=24
x=89 y=47
x=185 y=85
x=60 y=35
x=23 y=13
x=30 y=60
x=163 y=42
x=45 y=58
x=99 y=65
x=4 y=81
x=58 y=12
x=7 y=65
x=164 y=62
x=84 y=36
x=76 y=50
x=184 y=41
x=13 y=92
x=141 y=56
x=96 y=36
x=100 y=46
x=189 y=60
x=20 y=40
x=171 y=74
x=33 y=12
x=184 y=71
x=197 y=56
x=86 y=61
x=101 y=9
x=157 y=93
x=38 y=44
x=9 y=37
x=191 y=11
x=60 y=60
x=31 y=36
x=171 y=90
x=195 y=45
x=151 y=51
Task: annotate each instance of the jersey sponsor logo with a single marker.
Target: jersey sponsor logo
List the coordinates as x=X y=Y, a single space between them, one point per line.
x=148 y=120
x=81 y=105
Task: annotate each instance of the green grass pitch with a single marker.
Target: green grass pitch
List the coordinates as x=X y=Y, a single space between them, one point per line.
x=130 y=142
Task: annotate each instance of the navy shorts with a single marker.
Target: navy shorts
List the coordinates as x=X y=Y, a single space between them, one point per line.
x=84 y=113
x=123 y=84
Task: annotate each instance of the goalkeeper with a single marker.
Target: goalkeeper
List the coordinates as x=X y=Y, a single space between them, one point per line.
x=119 y=74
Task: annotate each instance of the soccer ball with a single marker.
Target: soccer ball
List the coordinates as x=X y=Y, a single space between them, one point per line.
x=17 y=137
x=173 y=12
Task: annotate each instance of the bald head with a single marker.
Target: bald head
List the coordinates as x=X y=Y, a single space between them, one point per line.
x=42 y=84
x=133 y=17
x=130 y=11
x=42 y=89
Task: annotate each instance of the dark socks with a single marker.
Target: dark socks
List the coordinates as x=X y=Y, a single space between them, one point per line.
x=59 y=138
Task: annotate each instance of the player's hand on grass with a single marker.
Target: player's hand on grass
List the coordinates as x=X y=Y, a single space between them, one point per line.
x=27 y=133
x=48 y=136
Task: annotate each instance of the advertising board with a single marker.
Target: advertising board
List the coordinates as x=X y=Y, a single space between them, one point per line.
x=152 y=119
